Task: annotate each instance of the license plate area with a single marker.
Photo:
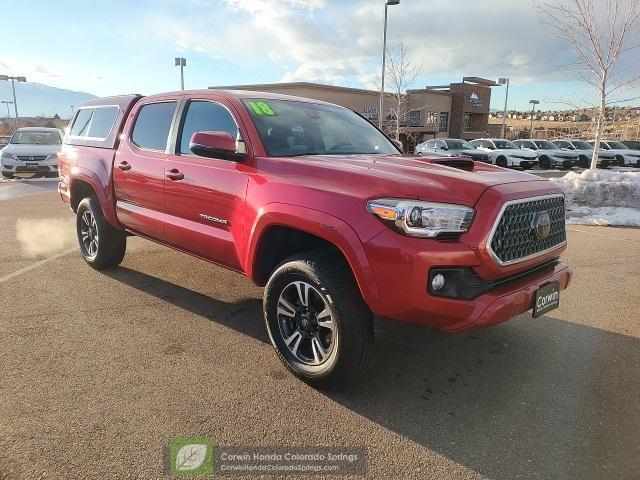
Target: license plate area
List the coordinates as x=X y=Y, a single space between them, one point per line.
x=32 y=165
x=547 y=298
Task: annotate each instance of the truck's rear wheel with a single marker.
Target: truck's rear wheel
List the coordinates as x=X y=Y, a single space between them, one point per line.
x=101 y=245
x=317 y=320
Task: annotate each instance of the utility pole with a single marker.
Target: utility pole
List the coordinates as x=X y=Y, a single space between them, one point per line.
x=504 y=81
x=533 y=107
x=384 y=57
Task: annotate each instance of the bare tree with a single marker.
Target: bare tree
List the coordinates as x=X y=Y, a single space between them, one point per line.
x=599 y=35
x=401 y=73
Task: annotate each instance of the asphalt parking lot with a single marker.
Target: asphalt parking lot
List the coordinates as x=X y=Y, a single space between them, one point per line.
x=100 y=369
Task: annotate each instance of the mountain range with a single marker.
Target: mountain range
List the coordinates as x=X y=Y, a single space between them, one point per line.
x=37 y=99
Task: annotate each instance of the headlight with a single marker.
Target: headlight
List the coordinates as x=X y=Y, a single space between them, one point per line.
x=53 y=156
x=9 y=156
x=421 y=219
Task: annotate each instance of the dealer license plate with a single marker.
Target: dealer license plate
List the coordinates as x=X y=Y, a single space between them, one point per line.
x=547 y=298
x=32 y=165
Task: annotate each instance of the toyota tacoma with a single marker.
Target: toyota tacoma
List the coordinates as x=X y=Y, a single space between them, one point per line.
x=313 y=202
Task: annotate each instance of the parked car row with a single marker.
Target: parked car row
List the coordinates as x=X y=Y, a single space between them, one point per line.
x=530 y=153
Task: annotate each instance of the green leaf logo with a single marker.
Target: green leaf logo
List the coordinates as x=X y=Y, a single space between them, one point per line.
x=191 y=456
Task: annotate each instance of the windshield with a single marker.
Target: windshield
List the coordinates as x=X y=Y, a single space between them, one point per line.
x=545 y=145
x=36 y=137
x=504 y=144
x=618 y=145
x=582 y=145
x=459 y=145
x=291 y=128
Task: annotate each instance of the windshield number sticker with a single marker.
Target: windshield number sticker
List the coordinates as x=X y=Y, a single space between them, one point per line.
x=261 y=108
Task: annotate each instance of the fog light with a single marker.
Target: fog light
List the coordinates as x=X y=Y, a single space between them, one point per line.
x=437 y=282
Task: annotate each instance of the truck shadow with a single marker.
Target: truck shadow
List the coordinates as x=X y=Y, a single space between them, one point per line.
x=243 y=316
x=540 y=398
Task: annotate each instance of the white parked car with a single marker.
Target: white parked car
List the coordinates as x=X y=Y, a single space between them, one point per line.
x=549 y=154
x=584 y=150
x=624 y=155
x=32 y=150
x=505 y=153
x=450 y=147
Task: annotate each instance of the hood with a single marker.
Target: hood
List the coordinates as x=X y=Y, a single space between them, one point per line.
x=371 y=176
x=26 y=149
x=619 y=151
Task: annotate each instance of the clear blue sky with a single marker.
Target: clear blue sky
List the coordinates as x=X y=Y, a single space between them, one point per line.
x=118 y=47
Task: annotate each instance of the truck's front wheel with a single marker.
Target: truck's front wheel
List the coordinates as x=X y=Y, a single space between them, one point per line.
x=317 y=320
x=102 y=246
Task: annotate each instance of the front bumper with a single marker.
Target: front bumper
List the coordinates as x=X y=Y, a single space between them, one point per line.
x=523 y=163
x=16 y=166
x=402 y=265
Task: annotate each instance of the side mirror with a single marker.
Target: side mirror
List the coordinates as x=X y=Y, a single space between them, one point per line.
x=215 y=145
x=398 y=144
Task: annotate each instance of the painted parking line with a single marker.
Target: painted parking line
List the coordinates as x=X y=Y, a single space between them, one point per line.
x=37 y=264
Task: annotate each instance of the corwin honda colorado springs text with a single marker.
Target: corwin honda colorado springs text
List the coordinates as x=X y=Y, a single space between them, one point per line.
x=315 y=203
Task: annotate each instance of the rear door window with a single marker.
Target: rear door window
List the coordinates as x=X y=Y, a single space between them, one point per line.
x=102 y=122
x=153 y=124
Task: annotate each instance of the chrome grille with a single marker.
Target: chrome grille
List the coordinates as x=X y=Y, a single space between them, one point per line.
x=513 y=238
x=34 y=158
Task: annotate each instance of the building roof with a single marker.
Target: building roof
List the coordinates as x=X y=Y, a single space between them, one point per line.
x=257 y=87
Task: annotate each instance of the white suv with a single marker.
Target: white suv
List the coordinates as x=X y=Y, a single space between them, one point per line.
x=32 y=150
x=549 y=154
x=505 y=153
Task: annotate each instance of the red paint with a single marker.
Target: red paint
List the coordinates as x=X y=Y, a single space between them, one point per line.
x=219 y=210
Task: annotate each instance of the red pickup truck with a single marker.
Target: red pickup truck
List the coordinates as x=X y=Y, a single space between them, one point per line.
x=312 y=201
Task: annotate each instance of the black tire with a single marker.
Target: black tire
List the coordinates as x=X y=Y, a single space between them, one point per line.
x=101 y=245
x=620 y=160
x=502 y=162
x=419 y=154
x=545 y=163
x=349 y=345
x=7 y=175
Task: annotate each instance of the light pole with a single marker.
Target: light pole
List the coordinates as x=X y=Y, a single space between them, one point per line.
x=7 y=103
x=384 y=56
x=533 y=106
x=180 y=62
x=13 y=87
x=504 y=81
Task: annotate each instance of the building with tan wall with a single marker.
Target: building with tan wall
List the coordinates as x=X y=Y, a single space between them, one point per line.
x=459 y=110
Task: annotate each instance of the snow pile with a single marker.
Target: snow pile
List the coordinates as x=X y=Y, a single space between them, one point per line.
x=602 y=197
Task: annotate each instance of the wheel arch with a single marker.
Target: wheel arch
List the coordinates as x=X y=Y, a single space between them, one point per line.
x=85 y=183
x=281 y=230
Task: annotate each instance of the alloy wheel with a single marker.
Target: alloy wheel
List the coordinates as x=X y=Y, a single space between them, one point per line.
x=89 y=233
x=306 y=323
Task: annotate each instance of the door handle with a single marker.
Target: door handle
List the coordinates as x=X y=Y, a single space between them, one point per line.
x=124 y=166
x=174 y=174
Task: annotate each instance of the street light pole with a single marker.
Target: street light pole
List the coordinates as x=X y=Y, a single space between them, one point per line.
x=13 y=87
x=7 y=103
x=504 y=81
x=533 y=106
x=384 y=57
x=180 y=62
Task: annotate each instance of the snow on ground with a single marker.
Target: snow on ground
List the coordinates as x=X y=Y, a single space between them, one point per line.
x=602 y=197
